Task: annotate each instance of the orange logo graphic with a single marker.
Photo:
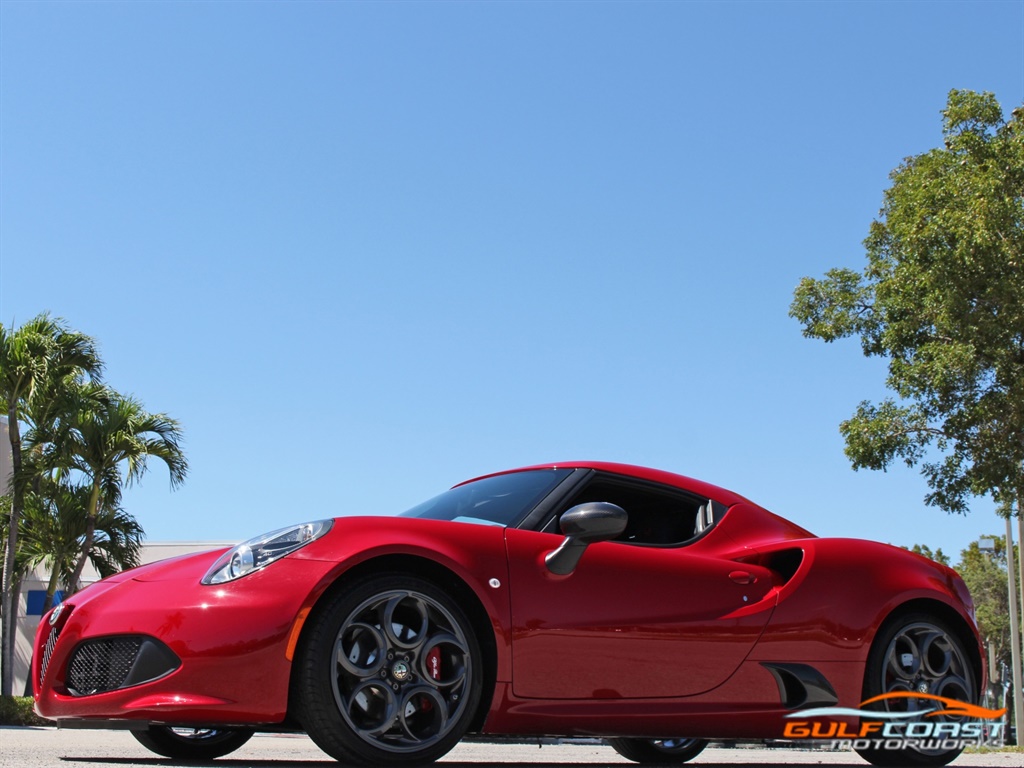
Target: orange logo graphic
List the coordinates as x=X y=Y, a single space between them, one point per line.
x=951 y=707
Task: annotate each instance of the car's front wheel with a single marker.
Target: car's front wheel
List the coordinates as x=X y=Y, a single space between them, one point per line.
x=658 y=751
x=192 y=743
x=917 y=654
x=389 y=673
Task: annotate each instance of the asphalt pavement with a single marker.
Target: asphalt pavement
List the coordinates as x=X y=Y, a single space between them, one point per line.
x=56 y=748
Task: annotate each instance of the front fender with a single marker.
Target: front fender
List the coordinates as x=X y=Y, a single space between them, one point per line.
x=474 y=553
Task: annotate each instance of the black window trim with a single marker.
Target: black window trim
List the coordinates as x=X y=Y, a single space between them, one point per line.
x=564 y=491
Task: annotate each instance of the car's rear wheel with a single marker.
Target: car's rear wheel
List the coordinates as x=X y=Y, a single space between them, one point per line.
x=389 y=673
x=192 y=743
x=917 y=653
x=659 y=751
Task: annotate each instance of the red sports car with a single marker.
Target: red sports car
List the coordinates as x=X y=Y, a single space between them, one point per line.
x=579 y=599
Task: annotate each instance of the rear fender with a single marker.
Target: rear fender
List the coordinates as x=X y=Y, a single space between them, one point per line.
x=843 y=591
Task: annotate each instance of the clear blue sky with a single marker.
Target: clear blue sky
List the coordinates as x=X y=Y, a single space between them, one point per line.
x=363 y=251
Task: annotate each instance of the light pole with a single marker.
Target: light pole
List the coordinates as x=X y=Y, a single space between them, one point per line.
x=1011 y=579
x=987 y=544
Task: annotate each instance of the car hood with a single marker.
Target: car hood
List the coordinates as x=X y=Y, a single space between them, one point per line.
x=192 y=566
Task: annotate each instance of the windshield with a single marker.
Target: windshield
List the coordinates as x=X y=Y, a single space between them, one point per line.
x=500 y=500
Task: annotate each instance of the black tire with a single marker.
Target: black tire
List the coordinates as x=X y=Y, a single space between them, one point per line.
x=192 y=743
x=658 y=751
x=388 y=673
x=917 y=653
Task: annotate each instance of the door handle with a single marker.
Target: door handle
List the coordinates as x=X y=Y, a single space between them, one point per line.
x=743 y=577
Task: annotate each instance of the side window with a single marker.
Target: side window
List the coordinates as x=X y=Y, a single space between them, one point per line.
x=657 y=517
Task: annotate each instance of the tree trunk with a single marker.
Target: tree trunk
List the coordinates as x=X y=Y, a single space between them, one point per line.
x=29 y=688
x=51 y=589
x=90 y=533
x=9 y=608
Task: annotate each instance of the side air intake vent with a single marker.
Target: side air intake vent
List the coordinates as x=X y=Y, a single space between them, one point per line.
x=802 y=686
x=785 y=562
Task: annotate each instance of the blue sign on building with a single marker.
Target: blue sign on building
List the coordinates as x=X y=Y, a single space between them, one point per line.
x=36 y=598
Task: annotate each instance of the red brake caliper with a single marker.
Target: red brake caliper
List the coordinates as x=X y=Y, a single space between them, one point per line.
x=434 y=663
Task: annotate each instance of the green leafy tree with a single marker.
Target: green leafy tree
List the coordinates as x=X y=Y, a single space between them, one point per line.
x=33 y=358
x=942 y=299
x=938 y=555
x=109 y=434
x=985 y=576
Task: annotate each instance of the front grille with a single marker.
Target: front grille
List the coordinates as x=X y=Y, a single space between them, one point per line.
x=102 y=665
x=51 y=643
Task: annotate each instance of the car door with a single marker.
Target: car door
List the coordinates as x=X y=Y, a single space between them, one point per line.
x=633 y=620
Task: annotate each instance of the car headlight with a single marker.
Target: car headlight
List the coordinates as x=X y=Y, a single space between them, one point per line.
x=254 y=554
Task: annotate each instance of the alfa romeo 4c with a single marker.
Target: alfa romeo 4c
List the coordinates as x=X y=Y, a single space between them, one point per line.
x=579 y=599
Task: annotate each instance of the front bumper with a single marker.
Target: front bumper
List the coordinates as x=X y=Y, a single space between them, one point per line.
x=155 y=645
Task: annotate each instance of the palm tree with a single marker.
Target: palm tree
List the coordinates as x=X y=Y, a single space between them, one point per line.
x=110 y=431
x=47 y=418
x=55 y=527
x=43 y=350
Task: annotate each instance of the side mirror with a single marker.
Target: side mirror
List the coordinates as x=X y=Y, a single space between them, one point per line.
x=583 y=525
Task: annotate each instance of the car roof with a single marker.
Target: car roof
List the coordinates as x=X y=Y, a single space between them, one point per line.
x=699 y=487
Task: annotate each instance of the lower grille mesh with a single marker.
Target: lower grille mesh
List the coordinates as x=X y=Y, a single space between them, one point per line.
x=101 y=665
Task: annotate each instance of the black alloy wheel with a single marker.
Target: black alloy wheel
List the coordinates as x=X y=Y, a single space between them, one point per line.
x=658 y=751
x=389 y=674
x=192 y=743
x=917 y=653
